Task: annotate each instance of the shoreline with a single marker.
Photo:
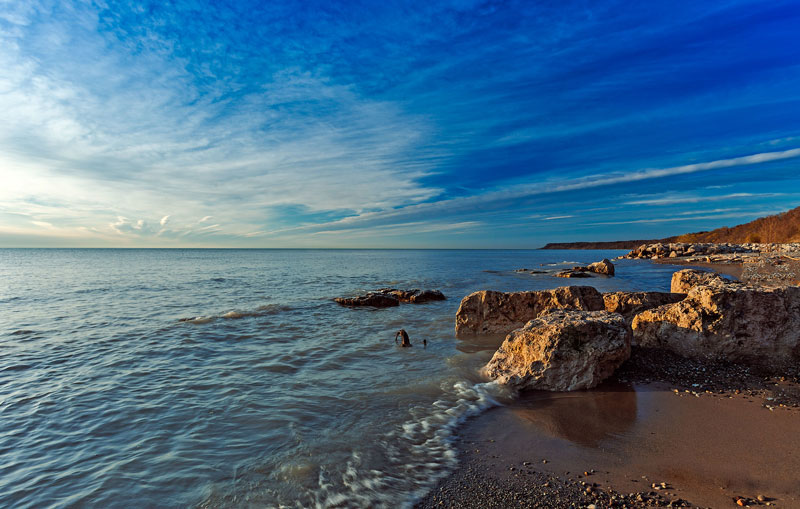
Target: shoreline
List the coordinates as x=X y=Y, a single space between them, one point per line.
x=714 y=433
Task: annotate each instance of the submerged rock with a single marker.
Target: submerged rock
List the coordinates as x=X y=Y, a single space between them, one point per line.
x=562 y=351
x=721 y=319
x=628 y=304
x=490 y=312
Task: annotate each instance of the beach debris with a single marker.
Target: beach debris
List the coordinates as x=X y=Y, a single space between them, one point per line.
x=562 y=351
x=403 y=335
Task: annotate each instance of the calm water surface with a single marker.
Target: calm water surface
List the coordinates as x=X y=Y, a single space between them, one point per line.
x=275 y=396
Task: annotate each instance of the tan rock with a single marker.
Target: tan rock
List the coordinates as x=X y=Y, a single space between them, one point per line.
x=628 y=304
x=686 y=279
x=562 y=351
x=604 y=267
x=729 y=321
x=490 y=312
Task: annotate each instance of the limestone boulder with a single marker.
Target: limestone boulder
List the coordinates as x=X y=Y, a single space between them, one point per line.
x=629 y=304
x=562 y=351
x=686 y=279
x=604 y=267
x=728 y=321
x=490 y=312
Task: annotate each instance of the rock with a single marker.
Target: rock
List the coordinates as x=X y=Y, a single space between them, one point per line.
x=414 y=296
x=685 y=280
x=562 y=351
x=720 y=319
x=629 y=304
x=490 y=312
x=427 y=296
x=377 y=300
x=572 y=273
x=604 y=267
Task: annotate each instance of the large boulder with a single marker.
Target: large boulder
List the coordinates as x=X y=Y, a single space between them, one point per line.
x=490 y=312
x=686 y=279
x=729 y=321
x=562 y=351
x=629 y=304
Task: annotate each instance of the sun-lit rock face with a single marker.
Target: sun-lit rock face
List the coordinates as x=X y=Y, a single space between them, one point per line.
x=490 y=312
x=562 y=351
x=628 y=304
x=721 y=319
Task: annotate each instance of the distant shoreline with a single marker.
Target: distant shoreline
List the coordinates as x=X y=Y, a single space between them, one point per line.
x=615 y=244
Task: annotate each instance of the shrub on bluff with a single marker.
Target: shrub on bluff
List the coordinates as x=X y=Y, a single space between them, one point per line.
x=562 y=351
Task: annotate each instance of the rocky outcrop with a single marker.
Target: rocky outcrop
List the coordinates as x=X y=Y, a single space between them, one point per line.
x=720 y=319
x=706 y=249
x=377 y=300
x=414 y=296
x=629 y=304
x=562 y=351
x=685 y=280
x=490 y=312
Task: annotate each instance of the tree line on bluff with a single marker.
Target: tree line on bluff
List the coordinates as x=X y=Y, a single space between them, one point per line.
x=778 y=228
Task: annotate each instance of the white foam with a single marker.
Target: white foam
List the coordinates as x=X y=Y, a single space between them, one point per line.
x=419 y=452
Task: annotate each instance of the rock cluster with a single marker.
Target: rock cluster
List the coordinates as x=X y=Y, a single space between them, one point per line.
x=604 y=267
x=389 y=297
x=562 y=351
x=725 y=320
x=490 y=312
x=704 y=249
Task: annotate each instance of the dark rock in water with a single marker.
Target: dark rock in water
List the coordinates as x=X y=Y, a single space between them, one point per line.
x=414 y=296
x=531 y=271
x=573 y=273
x=427 y=296
x=377 y=300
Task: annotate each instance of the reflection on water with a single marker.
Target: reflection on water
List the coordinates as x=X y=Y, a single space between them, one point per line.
x=583 y=417
x=469 y=343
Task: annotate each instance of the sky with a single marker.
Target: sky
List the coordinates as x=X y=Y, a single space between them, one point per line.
x=458 y=124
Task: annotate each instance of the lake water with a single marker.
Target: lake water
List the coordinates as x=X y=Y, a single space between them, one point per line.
x=275 y=397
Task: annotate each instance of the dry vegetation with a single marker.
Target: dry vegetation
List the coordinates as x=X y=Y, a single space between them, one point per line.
x=784 y=227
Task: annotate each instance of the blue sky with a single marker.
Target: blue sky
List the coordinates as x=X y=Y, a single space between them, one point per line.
x=393 y=124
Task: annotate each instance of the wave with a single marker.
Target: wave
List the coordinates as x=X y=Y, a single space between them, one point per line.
x=565 y=262
x=420 y=452
x=267 y=309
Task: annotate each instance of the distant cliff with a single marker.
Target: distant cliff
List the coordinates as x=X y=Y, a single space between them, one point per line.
x=617 y=244
x=783 y=227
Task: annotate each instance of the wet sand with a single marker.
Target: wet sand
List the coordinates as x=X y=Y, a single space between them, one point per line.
x=708 y=449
